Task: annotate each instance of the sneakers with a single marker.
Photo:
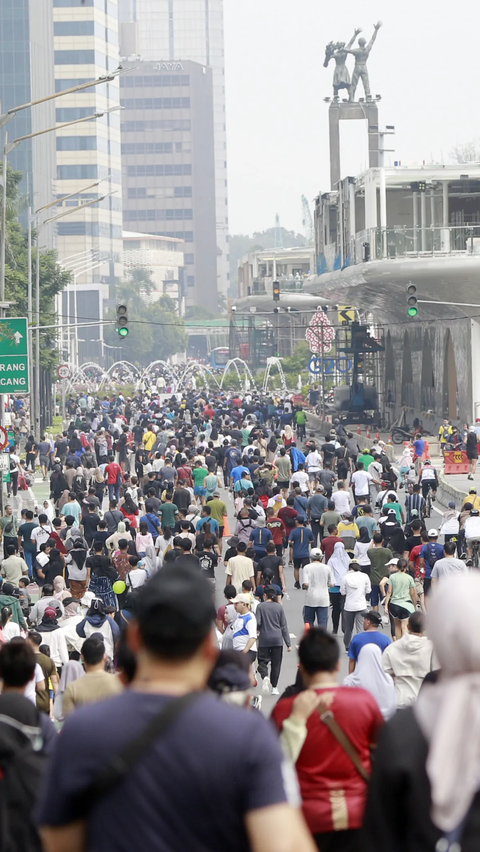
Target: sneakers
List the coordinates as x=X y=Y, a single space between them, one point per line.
x=275 y=691
x=297 y=585
x=266 y=686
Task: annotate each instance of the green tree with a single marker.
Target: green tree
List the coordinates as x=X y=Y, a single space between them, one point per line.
x=298 y=362
x=53 y=279
x=156 y=330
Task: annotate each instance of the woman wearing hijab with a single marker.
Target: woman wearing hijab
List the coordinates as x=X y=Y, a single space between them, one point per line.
x=102 y=576
x=405 y=464
x=361 y=549
x=288 y=436
x=271 y=450
x=70 y=672
x=424 y=791
x=60 y=591
x=98 y=482
x=338 y=562
x=130 y=511
x=77 y=570
x=150 y=561
x=53 y=636
x=370 y=675
x=121 y=532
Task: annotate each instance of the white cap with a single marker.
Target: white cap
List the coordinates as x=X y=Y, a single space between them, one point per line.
x=316 y=553
x=433 y=533
x=242 y=598
x=393 y=562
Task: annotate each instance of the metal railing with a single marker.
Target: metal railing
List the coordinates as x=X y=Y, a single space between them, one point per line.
x=264 y=286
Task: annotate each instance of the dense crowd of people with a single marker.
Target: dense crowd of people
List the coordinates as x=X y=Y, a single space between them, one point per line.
x=142 y=613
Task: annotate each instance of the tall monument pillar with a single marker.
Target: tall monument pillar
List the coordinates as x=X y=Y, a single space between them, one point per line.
x=348 y=111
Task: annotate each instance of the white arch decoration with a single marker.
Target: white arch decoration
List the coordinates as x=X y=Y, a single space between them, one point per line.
x=197 y=367
x=248 y=382
x=274 y=362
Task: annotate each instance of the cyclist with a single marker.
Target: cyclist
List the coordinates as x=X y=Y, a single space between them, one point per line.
x=428 y=479
x=472 y=530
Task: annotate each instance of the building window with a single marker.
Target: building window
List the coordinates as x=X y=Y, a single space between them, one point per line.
x=155 y=80
x=62 y=84
x=77 y=171
x=77 y=143
x=72 y=113
x=89 y=229
x=148 y=147
x=189 y=259
x=160 y=170
x=80 y=57
x=73 y=28
x=156 y=103
x=183 y=192
x=159 y=124
x=64 y=3
x=142 y=215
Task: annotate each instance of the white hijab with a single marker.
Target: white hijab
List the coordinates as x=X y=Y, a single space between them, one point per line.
x=369 y=675
x=448 y=712
x=339 y=562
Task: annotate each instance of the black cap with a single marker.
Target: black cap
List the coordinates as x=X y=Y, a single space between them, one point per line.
x=374 y=617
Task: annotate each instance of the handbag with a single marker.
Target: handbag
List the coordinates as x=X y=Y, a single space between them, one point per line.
x=120 y=764
x=343 y=740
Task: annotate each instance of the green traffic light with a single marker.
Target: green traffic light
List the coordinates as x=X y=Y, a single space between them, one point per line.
x=123 y=332
x=412 y=312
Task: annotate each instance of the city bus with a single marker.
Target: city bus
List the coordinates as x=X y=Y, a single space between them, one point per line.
x=219 y=357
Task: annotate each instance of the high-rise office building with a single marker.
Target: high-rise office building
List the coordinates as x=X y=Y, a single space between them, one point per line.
x=178 y=30
x=85 y=48
x=27 y=74
x=168 y=164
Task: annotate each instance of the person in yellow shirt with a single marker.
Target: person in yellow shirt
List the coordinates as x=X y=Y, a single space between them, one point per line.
x=348 y=531
x=444 y=430
x=149 y=438
x=473 y=498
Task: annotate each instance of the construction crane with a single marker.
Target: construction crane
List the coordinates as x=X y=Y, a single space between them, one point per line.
x=307 y=221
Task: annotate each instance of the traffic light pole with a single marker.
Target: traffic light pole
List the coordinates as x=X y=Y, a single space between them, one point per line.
x=457 y=304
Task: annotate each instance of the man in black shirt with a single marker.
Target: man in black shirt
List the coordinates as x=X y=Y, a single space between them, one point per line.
x=208 y=560
x=187 y=557
x=90 y=523
x=271 y=562
x=328 y=451
x=181 y=496
x=415 y=538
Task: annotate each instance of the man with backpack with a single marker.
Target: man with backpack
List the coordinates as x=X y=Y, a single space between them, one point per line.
x=428 y=556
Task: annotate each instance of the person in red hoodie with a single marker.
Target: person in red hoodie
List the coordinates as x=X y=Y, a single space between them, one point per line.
x=333 y=788
x=278 y=530
x=113 y=473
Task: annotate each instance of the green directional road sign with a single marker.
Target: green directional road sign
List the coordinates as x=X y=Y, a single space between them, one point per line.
x=13 y=355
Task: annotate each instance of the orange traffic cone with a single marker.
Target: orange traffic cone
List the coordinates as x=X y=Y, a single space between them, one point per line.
x=368 y=432
x=377 y=436
x=226 y=528
x=359 y=431
x=390 y=442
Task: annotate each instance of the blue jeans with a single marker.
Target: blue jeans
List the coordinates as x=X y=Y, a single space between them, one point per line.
x=321 y=612
x=113 y=489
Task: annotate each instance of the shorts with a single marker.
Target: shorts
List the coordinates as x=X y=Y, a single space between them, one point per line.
x=469 y=541
x=399 y=611
x=313 y=476
x=199 y=491
x=375 y=595
x=301 y=562
x=44 y=461
x=283 y=483
x=419 y=587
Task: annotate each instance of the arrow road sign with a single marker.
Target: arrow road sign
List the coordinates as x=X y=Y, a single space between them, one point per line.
x=13 y=355
x=346 y=314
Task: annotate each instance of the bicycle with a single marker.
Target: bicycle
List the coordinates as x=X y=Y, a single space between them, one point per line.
x=428 y=503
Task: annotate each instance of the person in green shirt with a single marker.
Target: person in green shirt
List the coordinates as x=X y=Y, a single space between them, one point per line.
x=379 y=557
x=168 y=513
x=329 y=517
x=401 y=599
x=210 y=483
x=300 y=420
x=392 y=503
x=199 y=473
x=218 y=512
x=245 y=435
x=284 y=467
x=366 y=458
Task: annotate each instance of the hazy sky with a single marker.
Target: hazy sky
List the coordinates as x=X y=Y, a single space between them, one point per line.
x=424 y=64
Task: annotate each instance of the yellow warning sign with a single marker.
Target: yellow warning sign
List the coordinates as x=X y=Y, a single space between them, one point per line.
x=346 y=314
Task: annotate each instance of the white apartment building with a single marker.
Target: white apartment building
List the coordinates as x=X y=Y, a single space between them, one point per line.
x=180 y=30
x=162 y=257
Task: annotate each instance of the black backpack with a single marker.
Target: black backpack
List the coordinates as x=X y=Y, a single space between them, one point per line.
x=22 y=767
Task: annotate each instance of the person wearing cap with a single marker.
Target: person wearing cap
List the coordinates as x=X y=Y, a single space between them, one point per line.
x=355 y=586
x=272 y=633
x=175 y=654
x=450 y=526
x=428 y=556
x=372 y=620
x=472 y=498
x=444 y=430
x=471 y=529
x=428 y=479
x=243 y=629
x=318 y=578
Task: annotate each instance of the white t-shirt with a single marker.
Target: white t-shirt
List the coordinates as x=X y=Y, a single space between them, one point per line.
x=472 y=527
x=318 y=576
x=361 y=480
x=10 y=630
x=40 y=535
x=137 y=577
x=29 y=691
x=244 y=628
x=428 y=473
x=313 y=462
x=302 y=478
x=355 y=585
x=343 y=502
